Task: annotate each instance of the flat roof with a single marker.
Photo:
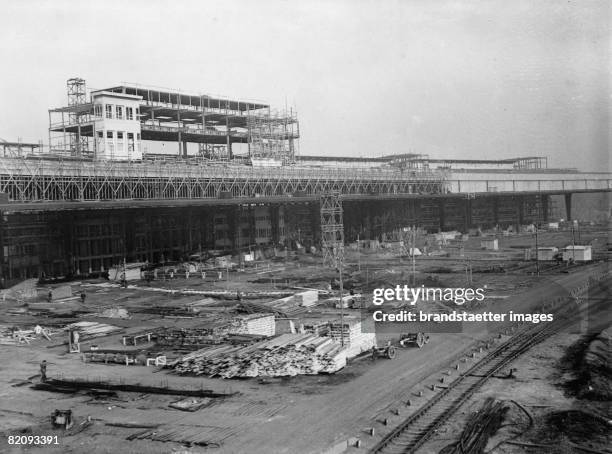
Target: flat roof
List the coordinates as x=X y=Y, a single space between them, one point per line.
x=477 y=161
x=4 y=143
x=339 y=158
x=115 y=94
x=186 y=99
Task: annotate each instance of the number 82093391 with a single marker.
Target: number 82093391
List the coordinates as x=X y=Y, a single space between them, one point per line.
x=32 y=440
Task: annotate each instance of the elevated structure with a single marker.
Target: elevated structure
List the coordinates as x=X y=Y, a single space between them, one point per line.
x=19 y=149
x=147 y=174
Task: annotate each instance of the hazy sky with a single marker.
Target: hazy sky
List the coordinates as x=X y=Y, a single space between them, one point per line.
x=461 y=79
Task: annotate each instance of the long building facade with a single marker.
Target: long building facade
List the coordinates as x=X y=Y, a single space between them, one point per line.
x=86 y=242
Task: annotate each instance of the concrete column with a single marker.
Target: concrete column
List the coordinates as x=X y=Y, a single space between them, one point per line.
x=2 y=245
x=228 y=139
x=467 y=219
x=441 y=213
x=495 y=202
x=129 y=237
x=252 y=226
x=274 y=222
x=544 y=199
x=568 y=206
x=519 y=212
x=232 y=215
x=68 y=227
x=315 y=217
x=188 y=243
x=210 y=226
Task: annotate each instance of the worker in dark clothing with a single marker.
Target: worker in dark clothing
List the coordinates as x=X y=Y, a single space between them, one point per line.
x=50 y=295
x=83 y=296
x=43 y=371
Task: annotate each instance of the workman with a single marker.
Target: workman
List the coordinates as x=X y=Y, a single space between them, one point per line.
x=43 y=371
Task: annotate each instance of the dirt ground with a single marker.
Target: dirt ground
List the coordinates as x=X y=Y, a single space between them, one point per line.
x=555 y=416
x=307 y=414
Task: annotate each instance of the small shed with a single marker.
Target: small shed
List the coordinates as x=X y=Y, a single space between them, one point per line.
x=577 y=253
x=547 y=253
x=491 y=244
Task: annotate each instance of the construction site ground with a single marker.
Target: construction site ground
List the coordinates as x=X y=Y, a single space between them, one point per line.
x=558 y=414
x=304 y=414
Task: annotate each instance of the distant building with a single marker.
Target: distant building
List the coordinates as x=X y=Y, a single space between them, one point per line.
x=547 y=253
x=577 y=253
x=490 y=244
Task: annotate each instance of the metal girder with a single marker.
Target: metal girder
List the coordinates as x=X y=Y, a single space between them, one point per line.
x=28 y=180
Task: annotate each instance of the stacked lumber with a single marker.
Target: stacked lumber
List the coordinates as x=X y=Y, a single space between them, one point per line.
x=224 y=261
x=320 y=328
x=92 y=329
x=307 y=298
x=285 y=355
x=289 y=306
x=262 y=324
x=117 y=357
x=351 y=333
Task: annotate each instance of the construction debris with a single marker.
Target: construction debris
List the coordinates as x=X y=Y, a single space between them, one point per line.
x=18 y=336
x=190 y=404
x=75 y=385
x=113 y=312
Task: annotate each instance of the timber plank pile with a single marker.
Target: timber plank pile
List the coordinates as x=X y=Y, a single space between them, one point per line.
x=285 y=355
x=88 y=330
x=261 y=324
x=209 y=436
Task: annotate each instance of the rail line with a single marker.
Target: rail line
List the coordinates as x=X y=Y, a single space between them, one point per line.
x=419 y=427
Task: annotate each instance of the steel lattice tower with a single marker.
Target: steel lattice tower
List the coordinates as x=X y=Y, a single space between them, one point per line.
x=77 y=95
x=332 y=229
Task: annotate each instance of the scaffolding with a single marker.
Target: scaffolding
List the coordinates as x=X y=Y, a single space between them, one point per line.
x=332 y=229
x=272 y=135
x=77 y=96
x=19 y=148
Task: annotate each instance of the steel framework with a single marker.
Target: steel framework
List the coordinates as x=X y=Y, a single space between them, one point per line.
x=272 y=135
x=39 y=180
x=332 y=229
x=77 y=95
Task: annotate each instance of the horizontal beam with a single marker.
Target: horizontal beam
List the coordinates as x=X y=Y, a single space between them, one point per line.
x=31 y=207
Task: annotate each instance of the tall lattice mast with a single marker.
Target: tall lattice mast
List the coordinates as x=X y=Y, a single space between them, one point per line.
x=332 y=229
x=77 y=95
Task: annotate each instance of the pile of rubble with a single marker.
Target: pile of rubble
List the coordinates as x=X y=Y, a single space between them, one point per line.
x=112 y=312
x=19 y=336
x=286 y=355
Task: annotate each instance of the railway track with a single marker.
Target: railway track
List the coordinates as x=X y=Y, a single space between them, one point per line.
x=419 y=427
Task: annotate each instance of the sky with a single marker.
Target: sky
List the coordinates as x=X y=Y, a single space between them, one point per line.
x=452 y=79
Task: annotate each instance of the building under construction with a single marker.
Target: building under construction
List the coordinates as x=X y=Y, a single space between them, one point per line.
x=142 y=174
